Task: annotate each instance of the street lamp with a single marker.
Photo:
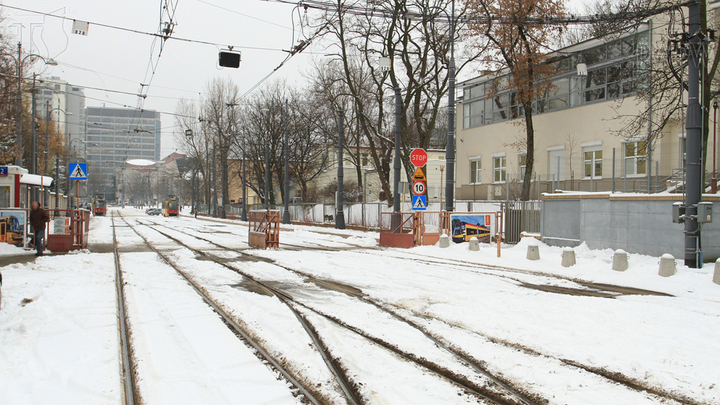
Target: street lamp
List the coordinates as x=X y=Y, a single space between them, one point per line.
x=47 y=147
x=19 y=61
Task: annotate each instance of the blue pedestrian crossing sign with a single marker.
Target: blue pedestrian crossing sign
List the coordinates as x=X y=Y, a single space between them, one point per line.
x=78 y=171
x=419 y=202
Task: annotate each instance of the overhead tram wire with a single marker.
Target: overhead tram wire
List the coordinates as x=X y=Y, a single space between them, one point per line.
x=134 y=31
x=572 y=19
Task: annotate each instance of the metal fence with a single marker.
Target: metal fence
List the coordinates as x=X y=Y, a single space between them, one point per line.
x=520 y=216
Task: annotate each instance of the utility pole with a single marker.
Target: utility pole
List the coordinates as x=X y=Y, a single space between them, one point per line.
x=46 y=199
x=267 y=176
x=340 y=210
x=286 y=199
x=243 y=214
x=396 y=161
x=450 y=147
x=18 y=134
x=33 y=154
x=693 y=126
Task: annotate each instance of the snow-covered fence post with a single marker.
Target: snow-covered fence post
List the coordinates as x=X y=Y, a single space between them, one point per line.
x=568 y=258
x=533 y=252
x=620 y=260
x=444 y=241
x=716 y=275
x=667 y=265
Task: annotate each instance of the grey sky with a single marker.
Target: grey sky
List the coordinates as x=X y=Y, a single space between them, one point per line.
x=112 y=59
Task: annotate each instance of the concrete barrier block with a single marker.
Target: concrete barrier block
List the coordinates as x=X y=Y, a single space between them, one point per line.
x=668 y=266
x=474 y=244
x=444 y=241
x=568 y=258
x=533 y=252
x=716 y=275
x=620 y=260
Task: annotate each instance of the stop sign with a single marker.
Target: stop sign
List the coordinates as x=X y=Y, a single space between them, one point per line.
x=418 y=157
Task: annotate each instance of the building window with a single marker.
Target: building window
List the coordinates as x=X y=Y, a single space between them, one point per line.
x=635 y=158
x=593 y=163
x=616 y=70
x=499 y=169
x=475 y=171
x=522 y=159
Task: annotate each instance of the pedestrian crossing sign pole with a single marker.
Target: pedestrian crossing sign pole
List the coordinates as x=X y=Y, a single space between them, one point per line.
x=78 y=171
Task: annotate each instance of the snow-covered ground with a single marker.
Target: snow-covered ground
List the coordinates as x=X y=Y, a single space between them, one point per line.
x=58 y=331
x=555 y=333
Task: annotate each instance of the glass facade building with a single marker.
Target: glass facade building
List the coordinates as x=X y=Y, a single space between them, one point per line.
x=614 y=70
x=114 y=135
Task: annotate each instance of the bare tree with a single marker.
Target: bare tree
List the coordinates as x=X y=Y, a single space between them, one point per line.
x=414 y=35
x=519 y=47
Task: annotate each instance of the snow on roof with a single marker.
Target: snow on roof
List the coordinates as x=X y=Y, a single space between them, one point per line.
x=36 y=179
x=140 y=162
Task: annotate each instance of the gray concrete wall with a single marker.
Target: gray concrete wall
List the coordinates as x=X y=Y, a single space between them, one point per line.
x=636 y=226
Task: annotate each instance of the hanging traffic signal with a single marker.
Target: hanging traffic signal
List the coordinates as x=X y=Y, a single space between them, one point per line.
x=229 y=59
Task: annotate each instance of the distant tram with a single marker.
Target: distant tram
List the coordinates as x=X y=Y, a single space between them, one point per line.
x=171 y=207
x=99 y=207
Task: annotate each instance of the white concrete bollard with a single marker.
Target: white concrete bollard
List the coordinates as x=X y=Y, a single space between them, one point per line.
x=474 y=245
x=716 y=275
x=667 y=265
x=444 y=241
x=568 y=257
x=620 y=260
x=533 y=252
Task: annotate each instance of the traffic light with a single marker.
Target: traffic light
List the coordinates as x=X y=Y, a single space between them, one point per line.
x=229 y=59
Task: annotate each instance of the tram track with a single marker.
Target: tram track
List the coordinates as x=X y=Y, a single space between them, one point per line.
x=310 y=395
x=502 y=393
x=593 y=289
x=128 y=371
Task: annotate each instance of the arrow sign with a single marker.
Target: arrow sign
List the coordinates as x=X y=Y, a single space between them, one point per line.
x=419 y=202
x=78 y=171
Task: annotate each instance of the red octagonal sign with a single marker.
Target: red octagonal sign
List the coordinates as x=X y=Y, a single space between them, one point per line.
x=418 y=157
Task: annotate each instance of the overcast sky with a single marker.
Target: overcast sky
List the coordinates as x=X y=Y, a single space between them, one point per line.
x=112 y=59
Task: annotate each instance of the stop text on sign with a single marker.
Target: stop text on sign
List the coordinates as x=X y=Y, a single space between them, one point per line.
x=418 y=157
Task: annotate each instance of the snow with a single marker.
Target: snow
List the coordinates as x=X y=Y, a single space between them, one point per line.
x=543 y=328
x=58 y=331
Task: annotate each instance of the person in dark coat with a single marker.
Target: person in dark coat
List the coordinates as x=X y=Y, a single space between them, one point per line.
x=38 y=219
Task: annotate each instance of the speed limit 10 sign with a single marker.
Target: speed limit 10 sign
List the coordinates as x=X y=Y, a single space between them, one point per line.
x=419 y=188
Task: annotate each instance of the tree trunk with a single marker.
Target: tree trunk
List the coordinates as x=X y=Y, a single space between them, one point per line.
x=529 y=153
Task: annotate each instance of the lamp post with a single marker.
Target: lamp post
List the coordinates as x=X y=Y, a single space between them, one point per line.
x=340 y=211
x=450 y=147
x=19 y=61
x=47 y=145
x=243 y=213
x=265 y=112
x=713 y=183
x=286 y=198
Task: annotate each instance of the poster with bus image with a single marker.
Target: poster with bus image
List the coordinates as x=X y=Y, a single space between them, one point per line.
x=467 y=226
x=12 y=226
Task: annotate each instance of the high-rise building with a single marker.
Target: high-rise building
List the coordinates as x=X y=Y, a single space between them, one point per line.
x=115 y=135
x=71 y=99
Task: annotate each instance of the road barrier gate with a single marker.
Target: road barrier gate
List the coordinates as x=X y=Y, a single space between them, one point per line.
x=264 y=229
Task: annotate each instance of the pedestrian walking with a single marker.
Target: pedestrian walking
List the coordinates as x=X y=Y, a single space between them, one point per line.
x=38 y=219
